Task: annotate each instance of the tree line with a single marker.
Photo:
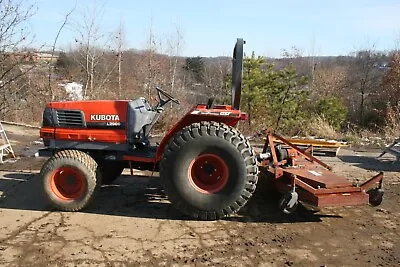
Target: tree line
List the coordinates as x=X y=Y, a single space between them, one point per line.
x=357 y=91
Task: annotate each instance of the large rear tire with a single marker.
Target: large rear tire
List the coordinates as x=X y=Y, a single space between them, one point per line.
x=70 y=180
x=209 y=170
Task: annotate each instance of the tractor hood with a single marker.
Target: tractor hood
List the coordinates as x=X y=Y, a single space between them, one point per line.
x=82 y=113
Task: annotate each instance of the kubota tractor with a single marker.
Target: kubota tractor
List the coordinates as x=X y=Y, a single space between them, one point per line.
x=208 y=168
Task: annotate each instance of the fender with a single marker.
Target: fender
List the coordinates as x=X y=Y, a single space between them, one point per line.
x=221 y=113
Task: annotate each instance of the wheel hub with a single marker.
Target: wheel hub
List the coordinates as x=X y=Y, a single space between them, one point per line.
x=208 y=173
x=208 y=168
x=67 y=183
x=71 y=180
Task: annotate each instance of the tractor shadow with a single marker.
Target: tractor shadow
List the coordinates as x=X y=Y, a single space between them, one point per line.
x=141 y=197
x=22 y=191
x=263 y=207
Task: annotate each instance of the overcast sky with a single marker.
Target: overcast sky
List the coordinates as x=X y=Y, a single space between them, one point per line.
x=210 y=27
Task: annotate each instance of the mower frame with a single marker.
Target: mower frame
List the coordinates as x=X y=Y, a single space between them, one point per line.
x=312 y=179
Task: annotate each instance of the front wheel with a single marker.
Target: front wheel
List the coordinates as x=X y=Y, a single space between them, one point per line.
x=70 y=180
x=209 y=170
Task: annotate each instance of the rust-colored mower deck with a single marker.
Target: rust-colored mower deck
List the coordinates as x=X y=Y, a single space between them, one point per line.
x=300 y=176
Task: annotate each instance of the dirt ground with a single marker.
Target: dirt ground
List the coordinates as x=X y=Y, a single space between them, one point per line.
x=132 y=223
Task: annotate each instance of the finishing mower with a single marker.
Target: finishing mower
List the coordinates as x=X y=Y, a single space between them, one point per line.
x=208 y=168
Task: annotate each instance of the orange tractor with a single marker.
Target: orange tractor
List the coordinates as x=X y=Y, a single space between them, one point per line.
x=208 y=168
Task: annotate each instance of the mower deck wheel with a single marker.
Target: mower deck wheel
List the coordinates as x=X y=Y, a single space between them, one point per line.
x=289 y=202
x=375 y=196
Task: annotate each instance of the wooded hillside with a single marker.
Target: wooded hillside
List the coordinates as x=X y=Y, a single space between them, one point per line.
x=294 y=94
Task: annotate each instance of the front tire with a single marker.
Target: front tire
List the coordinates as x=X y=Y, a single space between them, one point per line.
x=70 y=180
x=209 y=170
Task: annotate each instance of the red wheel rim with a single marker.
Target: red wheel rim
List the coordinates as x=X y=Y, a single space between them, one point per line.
x=208 y=173
x=67 y=183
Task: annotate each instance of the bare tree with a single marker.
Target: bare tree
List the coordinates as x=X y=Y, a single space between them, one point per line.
x=329 y=80
x=14 y=35
x=153 y=65
x=216 y=71
x=150 y=53
x=365 y=78
x=54 y=48
x=89 y=41
x=174 y=51
x=120 y=45
x=391 y=81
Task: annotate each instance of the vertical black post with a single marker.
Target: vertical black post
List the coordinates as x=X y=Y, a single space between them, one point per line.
x=237 y=73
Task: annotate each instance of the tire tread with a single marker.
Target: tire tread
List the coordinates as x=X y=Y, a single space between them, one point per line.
x=233 y=136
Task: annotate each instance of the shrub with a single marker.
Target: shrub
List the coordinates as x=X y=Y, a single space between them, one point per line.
x=332 y=110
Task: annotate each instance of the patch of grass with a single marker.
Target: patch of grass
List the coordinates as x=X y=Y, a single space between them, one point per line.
x=392 y=129
x=320 y=128
x=351 y=138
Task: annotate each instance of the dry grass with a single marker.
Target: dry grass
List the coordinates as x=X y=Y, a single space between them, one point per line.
x=322 y=129
x=392 y=129
x=360 y=137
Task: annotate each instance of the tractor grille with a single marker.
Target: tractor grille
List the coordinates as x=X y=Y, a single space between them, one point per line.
x=69 y=118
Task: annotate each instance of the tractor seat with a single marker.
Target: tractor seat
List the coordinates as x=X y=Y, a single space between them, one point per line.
x=210 y=103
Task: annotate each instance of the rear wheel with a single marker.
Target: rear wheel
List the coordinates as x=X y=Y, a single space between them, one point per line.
x=209 y=170
x=70 y=180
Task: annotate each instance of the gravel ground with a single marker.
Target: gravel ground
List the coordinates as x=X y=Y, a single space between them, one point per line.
x=132 y=223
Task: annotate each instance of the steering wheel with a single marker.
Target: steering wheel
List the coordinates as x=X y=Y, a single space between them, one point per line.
x=167 y=95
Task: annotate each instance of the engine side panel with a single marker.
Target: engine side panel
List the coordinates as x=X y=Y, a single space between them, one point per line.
x=86 y=121
x=91 y=135
x=97 y=114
